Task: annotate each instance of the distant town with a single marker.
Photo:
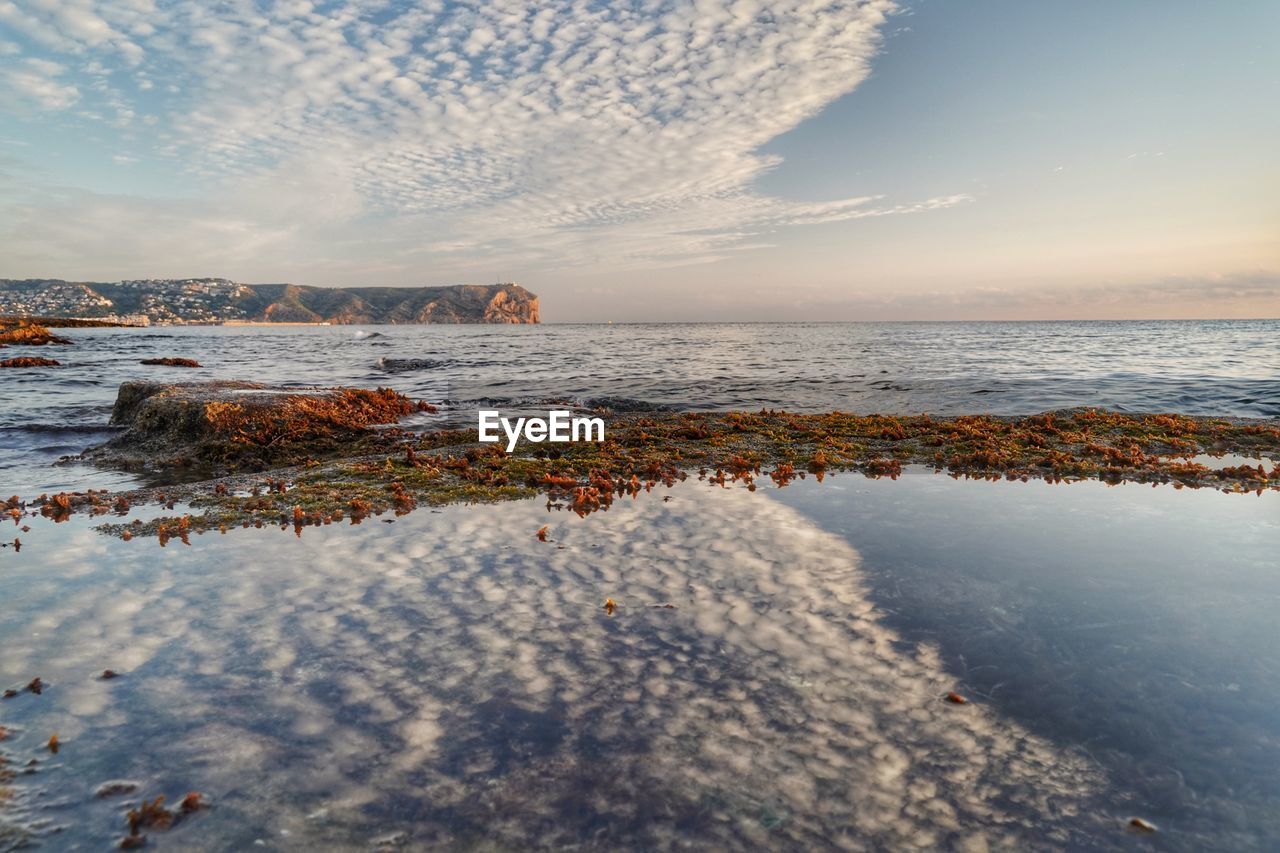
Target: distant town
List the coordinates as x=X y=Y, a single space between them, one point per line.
x=148 y=301
x=211 y=301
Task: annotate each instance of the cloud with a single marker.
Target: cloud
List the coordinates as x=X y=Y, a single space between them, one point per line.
x=571 y=132
x=1248 y=293
x=34 y=83
x=1259 y=285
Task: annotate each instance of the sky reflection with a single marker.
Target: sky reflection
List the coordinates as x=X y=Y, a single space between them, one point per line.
x=450 y=679
x=1135 y=623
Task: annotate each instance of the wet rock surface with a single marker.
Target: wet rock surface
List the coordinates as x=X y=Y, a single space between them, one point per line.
x=406 y=365
x=170 y=362
x=27 y=361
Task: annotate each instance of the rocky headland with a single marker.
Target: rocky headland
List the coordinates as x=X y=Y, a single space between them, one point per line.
x=216 y=300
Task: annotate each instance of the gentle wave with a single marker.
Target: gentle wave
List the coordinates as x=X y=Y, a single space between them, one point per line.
x=1224 y=368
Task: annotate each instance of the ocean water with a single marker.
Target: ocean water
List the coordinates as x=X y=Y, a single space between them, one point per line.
x=447 y=681
x=444 y=680
x=1202 y=367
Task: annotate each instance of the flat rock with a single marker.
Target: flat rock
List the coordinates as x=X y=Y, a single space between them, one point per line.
x=241 y=425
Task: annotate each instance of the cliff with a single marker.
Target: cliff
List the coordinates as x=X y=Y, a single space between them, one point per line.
x=213 y=300
x=468 y=303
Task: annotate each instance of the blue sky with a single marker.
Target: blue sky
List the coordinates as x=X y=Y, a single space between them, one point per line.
x=658 y=160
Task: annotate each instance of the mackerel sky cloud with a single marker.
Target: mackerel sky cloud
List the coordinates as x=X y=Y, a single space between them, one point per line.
x=563 y=144
x=547 y=131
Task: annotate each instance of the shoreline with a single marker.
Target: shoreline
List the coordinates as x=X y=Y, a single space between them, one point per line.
x=255 y=323
x=63 y=322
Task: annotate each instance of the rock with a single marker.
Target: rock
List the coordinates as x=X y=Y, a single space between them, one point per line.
x=242 y=425
x=116 y=788
x=625 y=404
x=171 y=362
x=24 y=333
x=512 y=304
x=27 y=361
x=404 y=365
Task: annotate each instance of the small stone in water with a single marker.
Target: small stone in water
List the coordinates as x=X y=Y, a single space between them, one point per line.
x=115 y=788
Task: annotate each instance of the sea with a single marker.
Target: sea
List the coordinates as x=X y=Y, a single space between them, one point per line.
x=1226 y=368
x=775 y=673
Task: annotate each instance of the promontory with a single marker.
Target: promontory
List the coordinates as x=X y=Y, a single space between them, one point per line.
x=220 y=300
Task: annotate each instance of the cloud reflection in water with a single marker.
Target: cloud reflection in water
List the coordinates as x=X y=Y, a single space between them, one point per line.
x=451 y=679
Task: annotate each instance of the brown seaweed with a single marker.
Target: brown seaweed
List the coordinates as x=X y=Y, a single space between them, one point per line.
x=149 y=813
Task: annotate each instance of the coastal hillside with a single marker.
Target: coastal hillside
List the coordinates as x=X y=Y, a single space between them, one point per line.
x=217 y=300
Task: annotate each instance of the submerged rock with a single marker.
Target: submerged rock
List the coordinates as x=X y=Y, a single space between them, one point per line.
x=171 y=362
x=243 y=425
x=27 y=361
x=403 y=365
x=625 y=404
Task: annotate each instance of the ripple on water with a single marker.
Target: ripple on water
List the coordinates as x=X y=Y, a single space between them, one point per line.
x=1197 y=368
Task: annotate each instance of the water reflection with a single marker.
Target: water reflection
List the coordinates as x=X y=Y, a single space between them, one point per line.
x=451 y=680
x=1136 y=623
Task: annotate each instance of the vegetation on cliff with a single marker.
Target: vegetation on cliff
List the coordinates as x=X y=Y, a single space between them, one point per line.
x=220 y=300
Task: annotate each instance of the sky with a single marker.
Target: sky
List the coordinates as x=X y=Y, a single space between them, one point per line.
x=659 y=159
